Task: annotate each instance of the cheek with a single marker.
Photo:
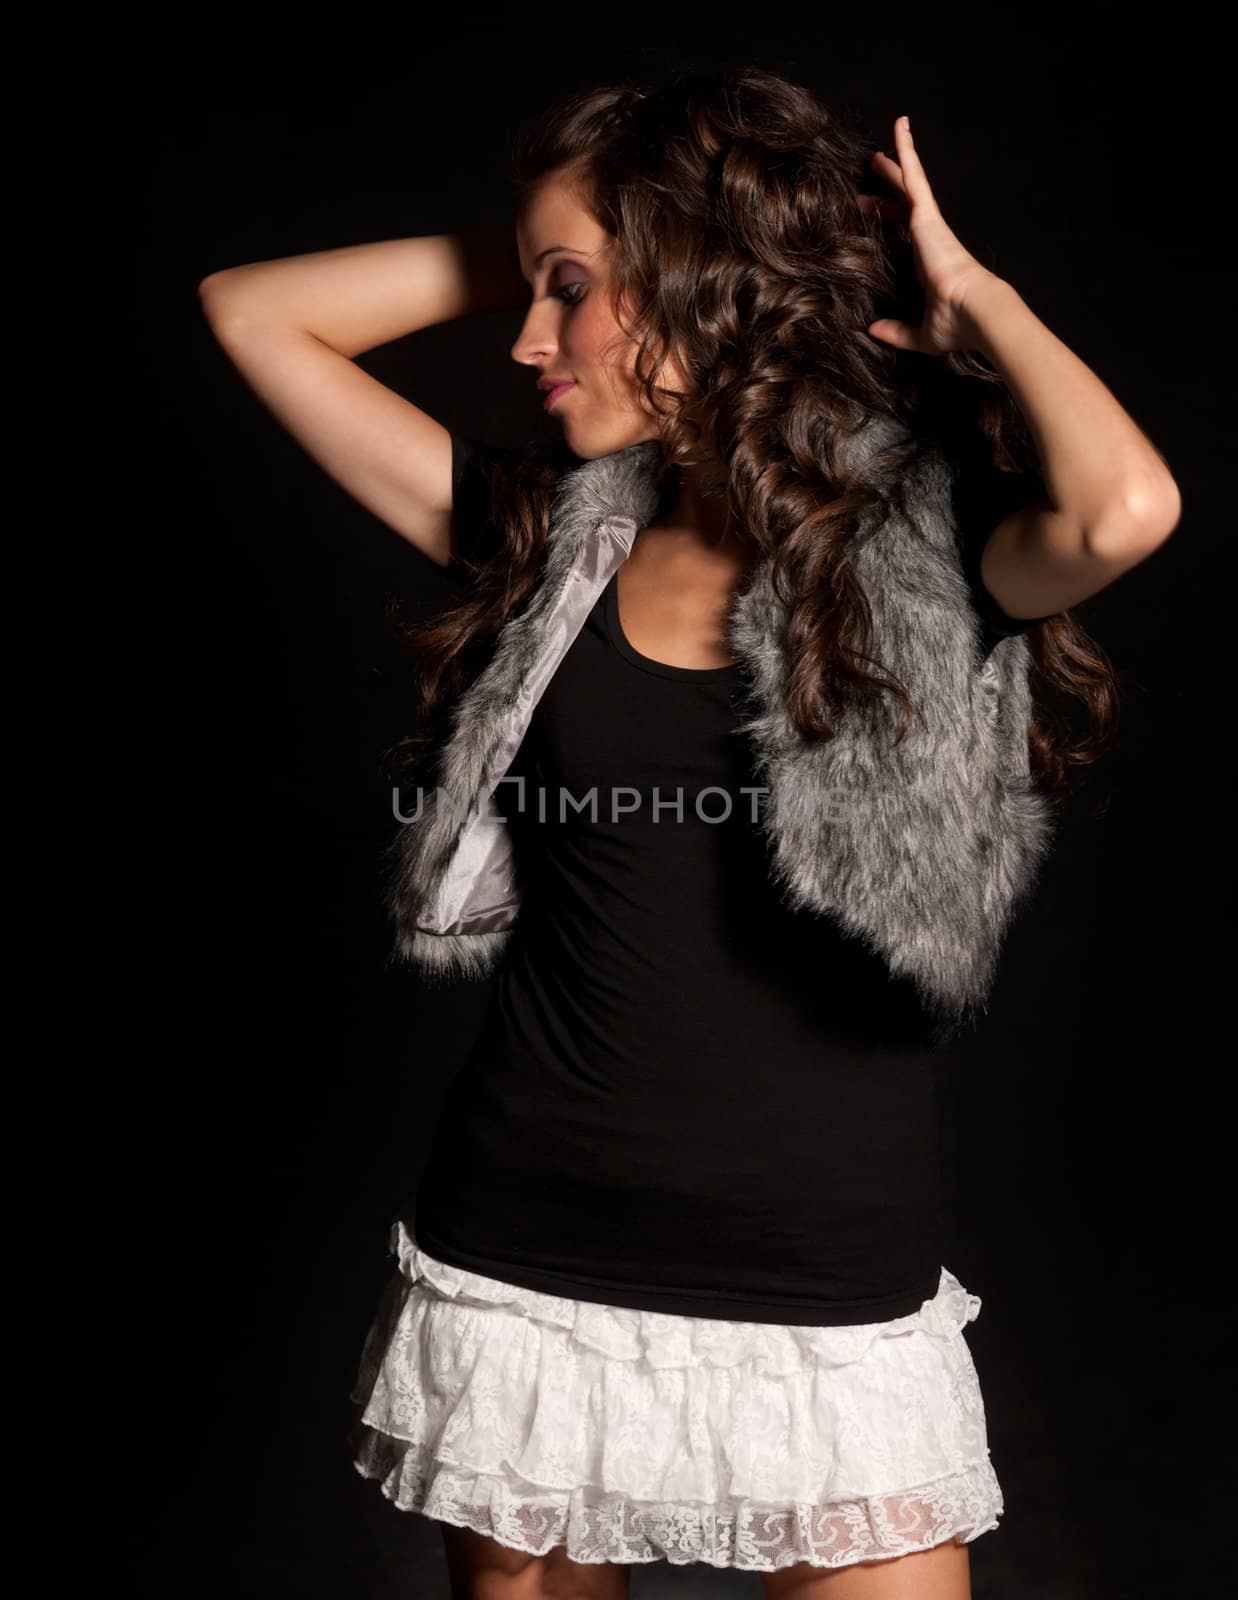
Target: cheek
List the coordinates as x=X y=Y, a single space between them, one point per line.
x=597 y=338
x=585 y=337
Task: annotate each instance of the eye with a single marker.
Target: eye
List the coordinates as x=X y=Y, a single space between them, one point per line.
x=571 y=299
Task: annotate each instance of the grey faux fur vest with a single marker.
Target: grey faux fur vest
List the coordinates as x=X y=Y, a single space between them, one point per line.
x=934 y=841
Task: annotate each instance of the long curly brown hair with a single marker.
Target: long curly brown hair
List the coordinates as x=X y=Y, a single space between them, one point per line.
x=742 y=248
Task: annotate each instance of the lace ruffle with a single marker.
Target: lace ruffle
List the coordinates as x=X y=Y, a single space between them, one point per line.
x=634 y=1436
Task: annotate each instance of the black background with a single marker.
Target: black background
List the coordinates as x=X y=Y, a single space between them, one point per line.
x=280 y=1084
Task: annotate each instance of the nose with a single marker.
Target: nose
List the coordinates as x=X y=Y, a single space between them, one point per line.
x=536 y=344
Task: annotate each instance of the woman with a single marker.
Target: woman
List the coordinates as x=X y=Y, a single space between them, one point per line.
x=673 y=1289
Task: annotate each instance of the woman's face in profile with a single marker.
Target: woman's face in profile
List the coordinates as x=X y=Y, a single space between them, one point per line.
x=571 y=330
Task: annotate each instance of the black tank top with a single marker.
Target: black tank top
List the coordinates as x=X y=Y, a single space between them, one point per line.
x=686 y=1097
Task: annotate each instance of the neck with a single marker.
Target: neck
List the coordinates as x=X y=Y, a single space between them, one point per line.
x=700 y=510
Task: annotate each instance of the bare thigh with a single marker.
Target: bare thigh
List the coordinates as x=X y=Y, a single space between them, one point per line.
x=942 y=1573
x=481 y=1568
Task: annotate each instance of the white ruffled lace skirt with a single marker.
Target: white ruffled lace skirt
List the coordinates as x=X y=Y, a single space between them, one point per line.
x=632 y=1436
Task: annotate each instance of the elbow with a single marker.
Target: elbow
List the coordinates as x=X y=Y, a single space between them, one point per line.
x=212 y=281
x=1136 y=522
x=224 y=304
x=209 y=297
x=220 y=288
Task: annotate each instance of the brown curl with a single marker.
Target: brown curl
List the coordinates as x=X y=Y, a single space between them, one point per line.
x=741 y=248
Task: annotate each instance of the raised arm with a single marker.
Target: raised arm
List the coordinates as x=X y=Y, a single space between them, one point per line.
x=292 y=326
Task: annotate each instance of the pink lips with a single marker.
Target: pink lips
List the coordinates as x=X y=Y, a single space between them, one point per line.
x=553 y=394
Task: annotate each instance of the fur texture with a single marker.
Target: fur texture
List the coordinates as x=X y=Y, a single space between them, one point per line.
x=921 y=850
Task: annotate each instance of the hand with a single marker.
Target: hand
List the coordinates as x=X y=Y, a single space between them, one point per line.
x=948 y=272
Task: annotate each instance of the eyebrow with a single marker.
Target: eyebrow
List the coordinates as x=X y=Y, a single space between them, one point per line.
x=550 y=250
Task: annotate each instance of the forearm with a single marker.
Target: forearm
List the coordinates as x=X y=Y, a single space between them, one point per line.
x=1098 y=464
x=360 y=296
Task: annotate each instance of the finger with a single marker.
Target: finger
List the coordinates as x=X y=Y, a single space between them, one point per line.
x=889 y=332
x=888 y=210
x=915 y=182
x=902 y=335
x=890 y=170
